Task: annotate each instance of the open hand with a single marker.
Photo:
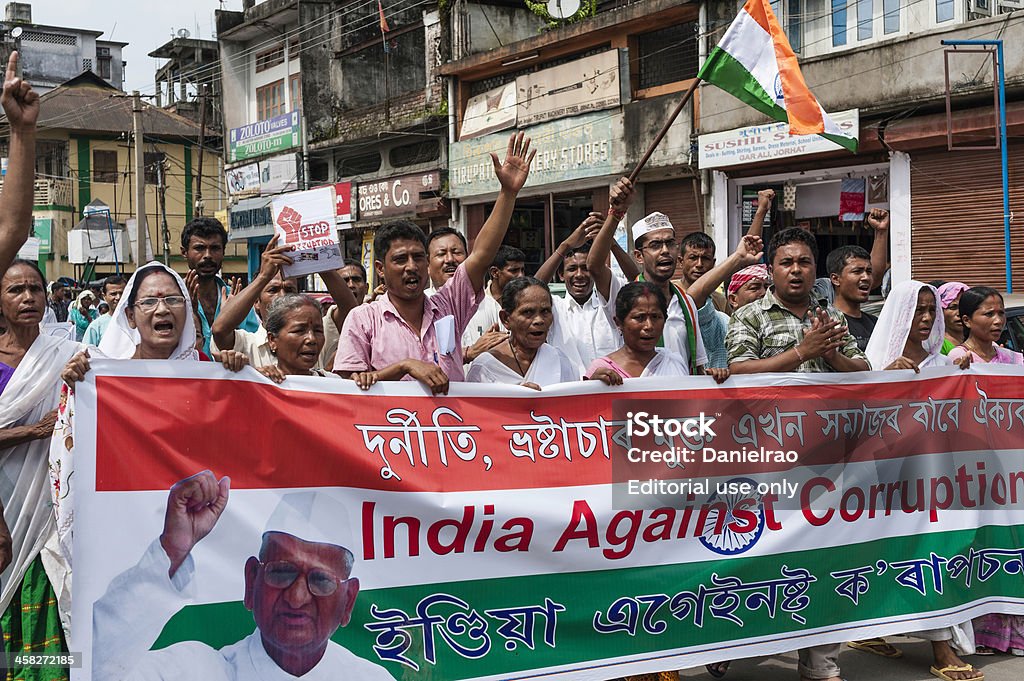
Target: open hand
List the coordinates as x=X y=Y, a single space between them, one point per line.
x=192 y=284
x=513 y=172
x=824 y=336
x=194 y=506
x=493 y=338
x=19 y=100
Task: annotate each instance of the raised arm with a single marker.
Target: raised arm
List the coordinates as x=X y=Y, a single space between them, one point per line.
x=619 y=198
x=587 y=229
x=748 y=252
x=878 y=219
x=21 y=106
x=627 y=264
x=764 y=204
x=512 y=176
x=234 y=310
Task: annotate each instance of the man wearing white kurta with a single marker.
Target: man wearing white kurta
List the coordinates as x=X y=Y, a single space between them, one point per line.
x=299 y=591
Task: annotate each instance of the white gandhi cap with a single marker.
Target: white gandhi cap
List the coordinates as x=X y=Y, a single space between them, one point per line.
x=313 y=516
x=651 y=223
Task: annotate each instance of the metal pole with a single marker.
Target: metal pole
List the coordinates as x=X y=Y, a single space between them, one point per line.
x=140 y=183
x=1003 y=143
x=202 y=144
x=1001 y=75
x=163 y=212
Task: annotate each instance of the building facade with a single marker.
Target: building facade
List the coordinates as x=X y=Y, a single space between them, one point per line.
x=592 y=95
x=51 y=55
x=84 y=156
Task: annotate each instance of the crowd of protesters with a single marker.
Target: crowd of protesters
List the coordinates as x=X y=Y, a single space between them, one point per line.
x=447 y=313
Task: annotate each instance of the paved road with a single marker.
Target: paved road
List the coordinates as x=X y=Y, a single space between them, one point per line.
x=860 y=666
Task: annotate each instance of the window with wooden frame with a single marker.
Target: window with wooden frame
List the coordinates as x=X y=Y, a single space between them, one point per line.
x=269 y=58
x=295 y=90
x=104 y=166
x=270 y=100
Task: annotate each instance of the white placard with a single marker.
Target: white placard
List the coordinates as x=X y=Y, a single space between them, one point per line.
x=306 y=220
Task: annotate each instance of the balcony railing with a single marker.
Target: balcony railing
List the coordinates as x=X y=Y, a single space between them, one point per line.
x=51 y=192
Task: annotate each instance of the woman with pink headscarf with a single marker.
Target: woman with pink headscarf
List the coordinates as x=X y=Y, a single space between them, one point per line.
x=949 y=301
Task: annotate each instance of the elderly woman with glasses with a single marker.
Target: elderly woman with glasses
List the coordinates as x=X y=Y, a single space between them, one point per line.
x=152 y=321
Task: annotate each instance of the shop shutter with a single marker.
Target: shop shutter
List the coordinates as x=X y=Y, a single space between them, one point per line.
x=957 y=217
x=675 y=199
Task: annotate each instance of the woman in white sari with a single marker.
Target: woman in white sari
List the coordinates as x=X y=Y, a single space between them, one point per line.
x=909 y=331
x=30 y=389
x=525 y=358
x=153 y=320
x=909 y=335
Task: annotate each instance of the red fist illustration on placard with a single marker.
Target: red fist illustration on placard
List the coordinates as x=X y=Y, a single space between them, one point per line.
x=290 y=221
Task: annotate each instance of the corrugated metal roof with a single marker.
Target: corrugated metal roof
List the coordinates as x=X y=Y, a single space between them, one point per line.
x=88 y=104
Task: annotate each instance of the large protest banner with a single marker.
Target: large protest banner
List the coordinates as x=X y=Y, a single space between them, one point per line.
x=500 y=533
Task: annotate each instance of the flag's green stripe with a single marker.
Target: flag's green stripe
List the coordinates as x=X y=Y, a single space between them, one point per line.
x=584 y=594
x=848 y=143
x=722 y=69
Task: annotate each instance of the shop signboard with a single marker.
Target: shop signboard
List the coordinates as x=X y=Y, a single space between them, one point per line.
x=251 y=218
x=770 y=141
x=41 y=229
x=489 y=112
x=395 y=196
x=343 y=203
x=243 y=180
x=567 y=149
x=579 y=87
x=279 y=174
x=265 y=137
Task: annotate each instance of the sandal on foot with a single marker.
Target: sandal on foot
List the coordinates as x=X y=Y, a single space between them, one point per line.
x=942 y=673
x=717 y=669
x=877 y=646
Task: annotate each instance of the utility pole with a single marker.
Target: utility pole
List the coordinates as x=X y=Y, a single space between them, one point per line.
x=140 y=183
x=162 y=174
x=202 y=142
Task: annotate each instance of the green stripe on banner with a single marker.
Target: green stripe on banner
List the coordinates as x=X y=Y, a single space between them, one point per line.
x=847 y=143
x=657 y=629
x=722 y=69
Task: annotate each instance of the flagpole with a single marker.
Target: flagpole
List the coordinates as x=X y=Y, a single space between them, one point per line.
x=664 y=131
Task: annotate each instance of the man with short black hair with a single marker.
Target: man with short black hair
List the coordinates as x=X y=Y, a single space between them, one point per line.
x=113 y=287
x=446 y=250
x=203 y=241
x=58 y=302
x=405 y=334
x=849 y=270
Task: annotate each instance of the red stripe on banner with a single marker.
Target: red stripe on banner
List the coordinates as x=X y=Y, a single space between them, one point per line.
x=266 y=437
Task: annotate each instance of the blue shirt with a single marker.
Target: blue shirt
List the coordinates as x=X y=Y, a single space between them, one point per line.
x=713 y=328
x=251 y=323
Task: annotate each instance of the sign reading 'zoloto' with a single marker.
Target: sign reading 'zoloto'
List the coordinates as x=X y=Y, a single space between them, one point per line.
x=265 y=137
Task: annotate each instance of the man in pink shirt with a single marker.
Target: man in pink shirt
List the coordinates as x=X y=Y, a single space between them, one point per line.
x=405 y=334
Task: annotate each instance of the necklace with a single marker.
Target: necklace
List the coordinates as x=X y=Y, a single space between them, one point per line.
x=970 y=346
x=515 y=357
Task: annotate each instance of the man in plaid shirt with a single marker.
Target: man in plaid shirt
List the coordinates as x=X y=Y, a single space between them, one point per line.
x=787 y=330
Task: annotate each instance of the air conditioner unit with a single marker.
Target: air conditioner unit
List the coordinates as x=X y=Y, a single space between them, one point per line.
x=977 y=9
x=102 y=51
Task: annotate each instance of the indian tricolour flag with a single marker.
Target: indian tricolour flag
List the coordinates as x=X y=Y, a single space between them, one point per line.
x=755 y=63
